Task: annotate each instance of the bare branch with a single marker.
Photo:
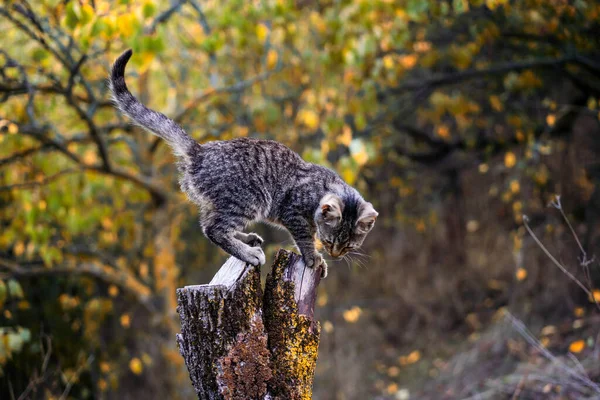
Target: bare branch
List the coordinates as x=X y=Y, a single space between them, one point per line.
x=500 y=69
x=165 y=15
x=236 y=87
x=42 y=182
x=125 y=280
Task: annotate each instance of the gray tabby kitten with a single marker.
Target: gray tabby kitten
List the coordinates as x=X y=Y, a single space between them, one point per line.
x=236 y=182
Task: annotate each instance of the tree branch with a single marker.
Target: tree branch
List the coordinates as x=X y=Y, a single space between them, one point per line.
x=500 y=69
x=127 y=282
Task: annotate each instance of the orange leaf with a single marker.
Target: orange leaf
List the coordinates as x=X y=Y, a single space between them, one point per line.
x=577 y=346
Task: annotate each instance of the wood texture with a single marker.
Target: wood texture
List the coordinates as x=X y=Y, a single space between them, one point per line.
x=239 y=343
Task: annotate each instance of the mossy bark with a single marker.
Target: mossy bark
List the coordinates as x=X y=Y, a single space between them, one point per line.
x=289 y=300
x=236 y=348
x=221 y=323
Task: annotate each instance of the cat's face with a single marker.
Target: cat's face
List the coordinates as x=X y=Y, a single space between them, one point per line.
x=342 y=227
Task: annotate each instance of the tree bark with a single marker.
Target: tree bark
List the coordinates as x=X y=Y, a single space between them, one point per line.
x=241 y=343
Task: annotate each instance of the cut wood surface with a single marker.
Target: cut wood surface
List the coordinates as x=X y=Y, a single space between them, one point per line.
x=241 y=343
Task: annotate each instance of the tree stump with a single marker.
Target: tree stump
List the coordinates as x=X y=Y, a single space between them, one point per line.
x=241 y=343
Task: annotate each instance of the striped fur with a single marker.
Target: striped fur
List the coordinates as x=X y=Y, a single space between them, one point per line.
x=241 y=181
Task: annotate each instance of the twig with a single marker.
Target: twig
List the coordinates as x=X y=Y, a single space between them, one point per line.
x=42 y=182
x=583 y=260
x=165 y=15
x=559 y=265
x=75 y=376
x=476 y=73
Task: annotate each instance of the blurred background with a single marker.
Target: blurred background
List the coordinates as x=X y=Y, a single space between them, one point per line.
x=455 y=118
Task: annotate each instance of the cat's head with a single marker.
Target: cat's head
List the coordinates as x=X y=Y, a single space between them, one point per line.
x=343 y=224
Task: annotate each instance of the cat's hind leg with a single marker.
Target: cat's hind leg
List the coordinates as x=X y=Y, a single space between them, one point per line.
x=225 y=232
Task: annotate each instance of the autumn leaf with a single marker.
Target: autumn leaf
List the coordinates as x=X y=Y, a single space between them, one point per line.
x=309 y=118
x=521 y=274
x=272 y=58
x=125 y=320
x=352 y=315
x=262 y=32
x=496 y=103
x=135 y=365
x=510 y=159
x=577 y=346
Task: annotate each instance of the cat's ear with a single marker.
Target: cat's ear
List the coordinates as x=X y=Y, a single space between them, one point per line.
x=366 y=218
x=330 y=209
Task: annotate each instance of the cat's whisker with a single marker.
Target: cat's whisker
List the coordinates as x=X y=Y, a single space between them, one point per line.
x=229 y=181
x=356 y=253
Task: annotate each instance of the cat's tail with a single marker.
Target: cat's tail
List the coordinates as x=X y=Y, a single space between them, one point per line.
x=155 y=122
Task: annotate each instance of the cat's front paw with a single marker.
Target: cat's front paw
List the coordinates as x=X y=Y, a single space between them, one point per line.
x=254 y=256
x=253 y=240
x=316 y=260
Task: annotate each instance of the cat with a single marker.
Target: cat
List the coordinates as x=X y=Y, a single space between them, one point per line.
x=239 y=181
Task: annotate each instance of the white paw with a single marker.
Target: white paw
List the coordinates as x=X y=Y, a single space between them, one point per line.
x=255 y=256
x=313 y=260
x=252 y=239
x=324 y=270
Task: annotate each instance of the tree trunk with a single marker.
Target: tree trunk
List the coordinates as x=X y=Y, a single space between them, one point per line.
x=239 y=343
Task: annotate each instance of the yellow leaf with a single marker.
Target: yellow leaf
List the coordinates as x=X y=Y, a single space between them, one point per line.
x=262 y=32
x=443 y=131
x=514 y=186
x=19 y=248
x=521 y=274
x=550 y=119
x=328 y=326
x=89 y=157
x=318 y=22
x=104 y=367
x=309 y=118
x=577 y=346
x=496 y=103
x=135 y=365
x=126 y=24
x=393 y=371
x=579 y=312
x=510 y=159
x=272 y=58
x=144 y=270
x=411 y=358
x=352 y=315
x=113 y=291
x=408 y=61
x=392 y=388
x=388 y=61
x=595 y=297
x=346 y=137
x=13 y=128
x=361 y=157
x=102 y=385
x=125 y=320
